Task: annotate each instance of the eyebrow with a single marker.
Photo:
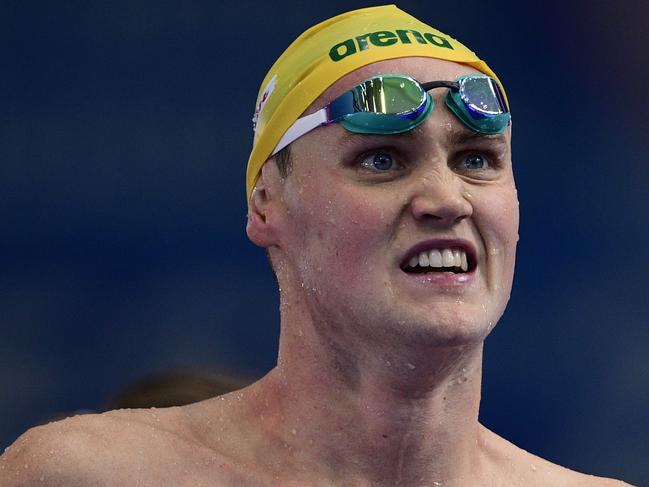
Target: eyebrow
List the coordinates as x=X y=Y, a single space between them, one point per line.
x=457 y=137
x=348 y=138
x=460 y=138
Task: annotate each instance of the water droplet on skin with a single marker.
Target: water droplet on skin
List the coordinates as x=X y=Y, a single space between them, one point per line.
x=294 y=432
x=494 y=251
x=533 y=467
x=461 y=378
x=410 y=366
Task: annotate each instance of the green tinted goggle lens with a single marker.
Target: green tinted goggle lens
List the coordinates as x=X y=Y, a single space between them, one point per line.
x=385 y=104
x=390 y=95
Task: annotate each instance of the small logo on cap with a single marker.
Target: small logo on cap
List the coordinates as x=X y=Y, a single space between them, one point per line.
x=263 y=98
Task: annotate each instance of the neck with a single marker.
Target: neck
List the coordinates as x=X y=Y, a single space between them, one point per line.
x=403 y=415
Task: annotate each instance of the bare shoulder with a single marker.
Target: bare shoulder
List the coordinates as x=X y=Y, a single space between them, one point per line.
x=67 y=452
x=108 y=449
x=49 y=452
x=524 y=468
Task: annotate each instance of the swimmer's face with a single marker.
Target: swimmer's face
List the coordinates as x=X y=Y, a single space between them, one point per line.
x=356 y=209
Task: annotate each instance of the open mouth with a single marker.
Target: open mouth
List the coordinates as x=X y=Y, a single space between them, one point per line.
x=451 y=259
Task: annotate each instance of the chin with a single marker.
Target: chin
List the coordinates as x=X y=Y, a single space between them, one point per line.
x=440 y=328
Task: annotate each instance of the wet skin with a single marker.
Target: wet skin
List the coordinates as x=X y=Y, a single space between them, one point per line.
x=379 y=370
x=344 y=214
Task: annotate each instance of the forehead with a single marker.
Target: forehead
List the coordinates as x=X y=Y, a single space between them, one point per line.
x=421 y=68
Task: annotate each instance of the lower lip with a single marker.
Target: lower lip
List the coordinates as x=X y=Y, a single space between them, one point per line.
x=442 y=279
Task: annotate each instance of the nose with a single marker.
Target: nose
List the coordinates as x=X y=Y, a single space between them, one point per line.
x=441 y=199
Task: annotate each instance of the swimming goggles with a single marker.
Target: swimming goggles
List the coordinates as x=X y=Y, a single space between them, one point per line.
x=395 y=103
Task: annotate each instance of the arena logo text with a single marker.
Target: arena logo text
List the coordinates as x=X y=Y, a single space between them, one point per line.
x=384 y=38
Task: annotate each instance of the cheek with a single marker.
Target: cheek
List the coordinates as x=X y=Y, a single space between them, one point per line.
x=341 y=224
x=497 y=218
x=507 y=238
x=508 y=219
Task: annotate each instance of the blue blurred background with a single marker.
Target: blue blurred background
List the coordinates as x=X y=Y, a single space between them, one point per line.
x=124 y=132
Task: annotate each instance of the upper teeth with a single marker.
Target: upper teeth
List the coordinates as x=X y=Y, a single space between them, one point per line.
x=440 y=258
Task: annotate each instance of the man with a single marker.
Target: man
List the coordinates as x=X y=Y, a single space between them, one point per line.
x=392 y=231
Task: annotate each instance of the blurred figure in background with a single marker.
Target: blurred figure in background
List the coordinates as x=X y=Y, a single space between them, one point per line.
x=167 y=389
x=177 y=388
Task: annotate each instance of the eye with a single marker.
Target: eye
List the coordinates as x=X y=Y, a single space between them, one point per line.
x=379 y=161
x=474 y=161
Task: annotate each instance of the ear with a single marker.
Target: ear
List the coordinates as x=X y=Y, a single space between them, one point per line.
x=262 y=208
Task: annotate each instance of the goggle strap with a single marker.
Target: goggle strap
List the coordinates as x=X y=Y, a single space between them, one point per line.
x=302 y=126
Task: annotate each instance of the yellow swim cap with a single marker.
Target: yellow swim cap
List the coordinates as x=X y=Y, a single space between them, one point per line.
x=328 y=51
